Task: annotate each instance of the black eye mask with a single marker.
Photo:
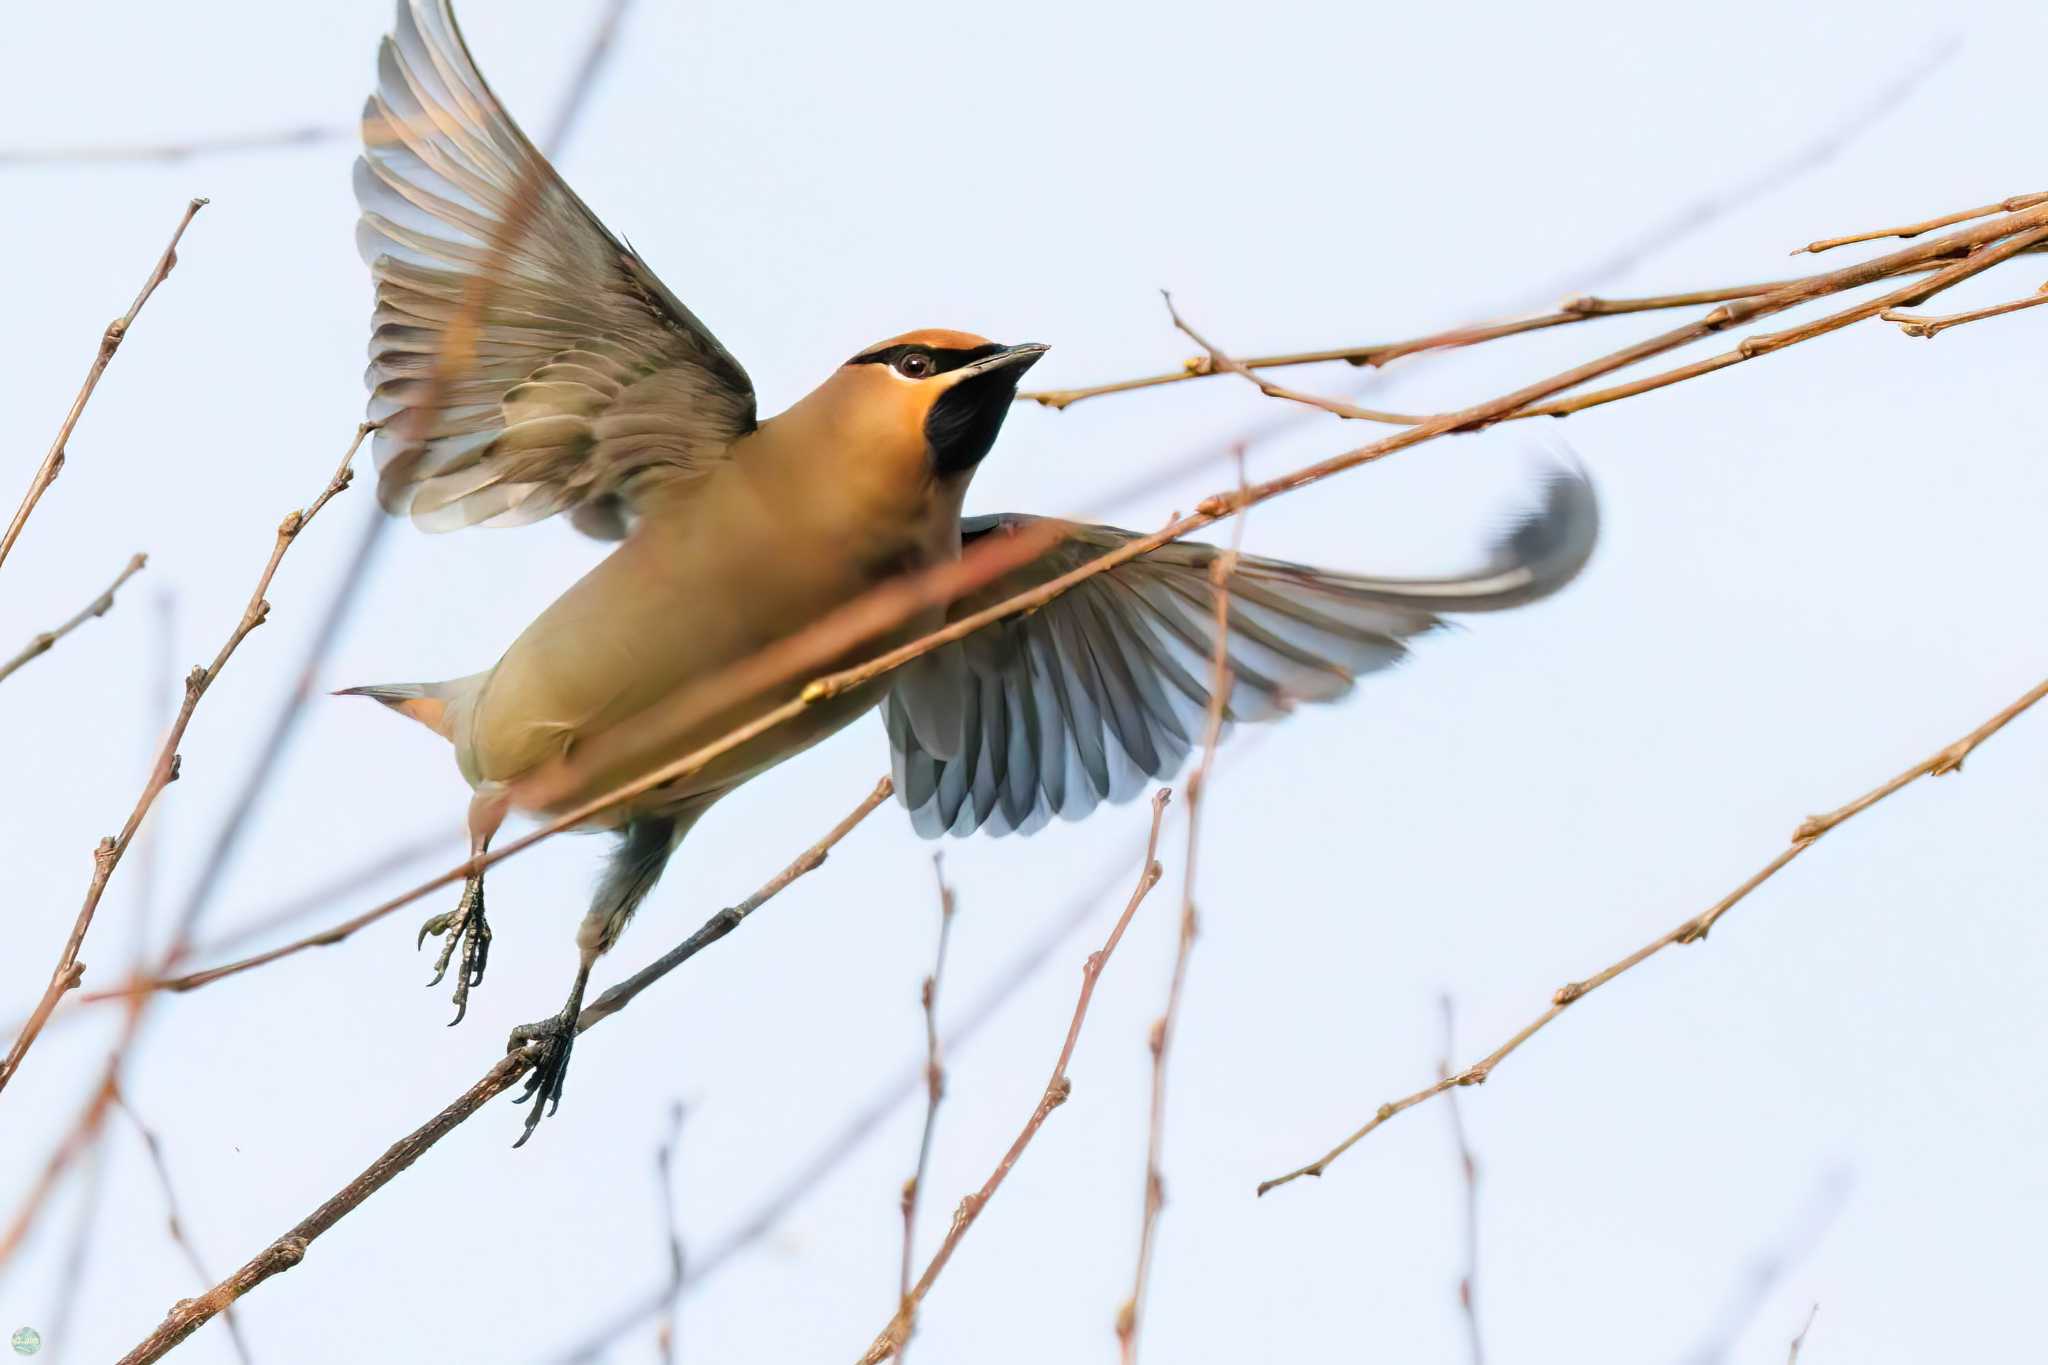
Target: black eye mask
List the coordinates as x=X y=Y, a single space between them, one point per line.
x=943 y=358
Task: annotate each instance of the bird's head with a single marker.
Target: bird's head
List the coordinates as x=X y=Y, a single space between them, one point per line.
x=934 y=397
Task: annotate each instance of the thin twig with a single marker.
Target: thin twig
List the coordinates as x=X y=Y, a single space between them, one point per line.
x=1798 y=1342
x=664 y=1170
x=110 y=341
x=99 y=606
x=1692 y=930
x=891 y=1338
x=934 y=1091
x=861 y=1124
x=71 y=1277
x=175 y=1222
x=2011 y=205
x=1656 y=238
x=188 y=1315
x=69 y=970
x=1159 y=1039
x=842 y=630
x=503 y=241
x=1916 y=325
x=1468 y=1174
x=1760 y=1278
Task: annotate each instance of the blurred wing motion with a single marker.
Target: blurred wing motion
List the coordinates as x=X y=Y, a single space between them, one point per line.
x=524 y=360
x=1108 y=684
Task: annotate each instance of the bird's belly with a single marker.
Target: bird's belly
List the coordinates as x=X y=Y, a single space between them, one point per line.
x=609 y=685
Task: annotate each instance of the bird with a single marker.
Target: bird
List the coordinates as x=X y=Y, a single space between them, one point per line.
x=525 y=362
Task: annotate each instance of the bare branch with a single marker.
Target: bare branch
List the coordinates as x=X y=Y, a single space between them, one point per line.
x=1792 y=1356
x=768 y=1211
x=110 y=341
x=276 y=139
x=664 y=1169
x=841 y=631
x=99 y=606
x=891 y=1338
x=502 y=242
x=1468 y=1172
x=1693 y=930
x=2011 y=205
x=1914 y=325
x=188 y=1315
x=1160 y=1039
x=176 y=1223
x=934 y=1091
x=69 y=970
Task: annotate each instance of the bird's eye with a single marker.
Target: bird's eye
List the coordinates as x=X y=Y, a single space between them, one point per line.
x=914 y=364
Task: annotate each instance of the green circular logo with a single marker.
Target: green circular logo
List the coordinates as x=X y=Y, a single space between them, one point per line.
x=27 y=1341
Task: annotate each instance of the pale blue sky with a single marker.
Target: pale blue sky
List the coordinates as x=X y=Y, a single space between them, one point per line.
x=1817 y=568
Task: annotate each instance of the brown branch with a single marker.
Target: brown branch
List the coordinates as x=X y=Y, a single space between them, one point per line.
x=188 y=1315
x=934 y=1091
x=175 y=1222
x=503 y=241
x=1160 y=1038
x=1765 y=343
x=1914 y=325
x=2011 y=205
x=69 y=970
x=99 y=606
x=110 y=341
x=881 y=608
x=1692 y=930
x=891 y=1338
x=1468 y=1173
x=860 y=1125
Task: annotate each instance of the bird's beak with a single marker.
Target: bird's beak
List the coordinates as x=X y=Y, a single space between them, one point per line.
x=1019 y=358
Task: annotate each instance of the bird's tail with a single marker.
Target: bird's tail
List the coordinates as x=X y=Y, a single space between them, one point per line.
x=1541 y=552
x=427 y=703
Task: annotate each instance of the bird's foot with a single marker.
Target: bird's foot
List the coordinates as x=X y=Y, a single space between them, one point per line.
x=552 y=1039
x=466 y=927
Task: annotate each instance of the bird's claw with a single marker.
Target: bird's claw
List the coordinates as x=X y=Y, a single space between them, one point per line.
x=466 y=926
x=556 y=1036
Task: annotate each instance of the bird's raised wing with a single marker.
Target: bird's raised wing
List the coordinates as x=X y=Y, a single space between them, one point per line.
x=523 y=360
x=1053 y=712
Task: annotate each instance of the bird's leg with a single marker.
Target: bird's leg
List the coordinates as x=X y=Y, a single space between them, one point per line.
x=465 y=925
x=636 y=865
x=556 y=1036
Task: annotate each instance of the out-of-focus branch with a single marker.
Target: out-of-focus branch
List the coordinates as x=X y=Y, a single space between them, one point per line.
x=843 y=630
x=934 y=1091
x=1023 y=967
x=1760 y=1279
x=1799 y=1342
x=597 y=50
x=2009 y=205
x=176 y=1223
x=69 y=970
x=664 y=1170
x=1468 y=1174
x=1692 y=930
x=1160 y=1039
x=99 y=606
x=275 y=139
x=188 y=1315
x=503 y=241
x=891 y=1338
x=110 y=341
x=1914 y=325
